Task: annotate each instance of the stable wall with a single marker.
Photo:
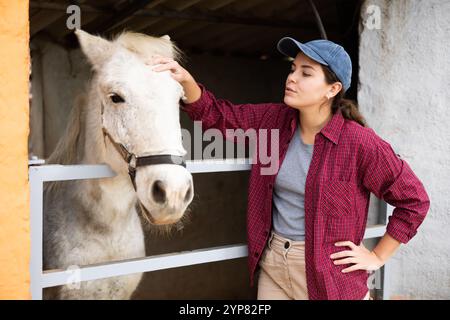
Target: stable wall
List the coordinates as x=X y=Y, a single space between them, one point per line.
x=404 y=80
x=14 y=191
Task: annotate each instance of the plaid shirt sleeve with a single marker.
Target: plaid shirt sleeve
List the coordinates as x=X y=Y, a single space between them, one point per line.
x=222 y=114
x=390 y=178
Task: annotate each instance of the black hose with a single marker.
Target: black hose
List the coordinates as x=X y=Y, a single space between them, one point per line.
x=323 y=34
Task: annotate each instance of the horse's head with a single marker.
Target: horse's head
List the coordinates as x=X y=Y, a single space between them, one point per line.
x=138 y=112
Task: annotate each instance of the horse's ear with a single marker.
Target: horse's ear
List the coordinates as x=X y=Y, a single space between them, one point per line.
x=166 y=37
x=96 y=49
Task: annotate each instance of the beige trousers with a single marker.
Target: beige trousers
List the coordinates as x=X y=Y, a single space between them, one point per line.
x=282 y=270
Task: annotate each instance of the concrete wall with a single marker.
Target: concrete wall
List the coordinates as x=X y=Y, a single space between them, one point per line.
x=403 y=91
x=14 y=206
x=58 y=76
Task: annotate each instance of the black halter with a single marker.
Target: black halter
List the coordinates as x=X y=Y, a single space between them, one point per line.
x=134 y=161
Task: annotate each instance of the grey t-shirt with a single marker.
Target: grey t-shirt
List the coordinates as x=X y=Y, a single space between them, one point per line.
x=289 y=190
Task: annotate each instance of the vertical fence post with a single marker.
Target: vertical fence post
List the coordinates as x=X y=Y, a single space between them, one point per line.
x=385 y=210
x=36 y=225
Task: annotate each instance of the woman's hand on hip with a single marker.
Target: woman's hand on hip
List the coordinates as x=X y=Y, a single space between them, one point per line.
x=358 y=256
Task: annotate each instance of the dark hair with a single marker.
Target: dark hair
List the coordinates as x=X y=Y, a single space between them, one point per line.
x=348 y=108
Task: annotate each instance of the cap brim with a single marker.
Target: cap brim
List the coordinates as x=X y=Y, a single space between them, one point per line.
x=291 y=47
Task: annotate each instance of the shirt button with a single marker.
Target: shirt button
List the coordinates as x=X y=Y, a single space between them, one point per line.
x=270 y=186
x=256 y=254
x=286 y=245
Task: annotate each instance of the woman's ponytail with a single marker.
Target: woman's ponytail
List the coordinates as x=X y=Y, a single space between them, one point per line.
x=348 y=108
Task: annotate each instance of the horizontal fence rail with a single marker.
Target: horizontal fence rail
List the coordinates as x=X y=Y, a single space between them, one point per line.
x=52 y=278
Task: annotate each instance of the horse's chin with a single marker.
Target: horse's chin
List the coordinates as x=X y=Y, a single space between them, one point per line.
x=147 y=215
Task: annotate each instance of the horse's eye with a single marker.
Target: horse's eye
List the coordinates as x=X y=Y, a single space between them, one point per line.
x=116 y=98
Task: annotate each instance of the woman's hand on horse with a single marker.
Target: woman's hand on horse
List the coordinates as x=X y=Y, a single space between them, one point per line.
x=358 y=256
x=176 y=71
x=192 y=91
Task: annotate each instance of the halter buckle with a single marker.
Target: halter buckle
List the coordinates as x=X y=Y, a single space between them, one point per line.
x=132 y=162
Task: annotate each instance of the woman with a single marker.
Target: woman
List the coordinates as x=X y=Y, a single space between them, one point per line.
x=305 y=223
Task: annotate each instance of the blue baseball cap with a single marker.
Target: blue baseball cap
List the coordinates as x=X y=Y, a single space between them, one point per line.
x=324 y=52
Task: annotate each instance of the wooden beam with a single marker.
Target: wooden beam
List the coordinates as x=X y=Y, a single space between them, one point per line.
x=170 y=28
x=256 y=40
x=213 y=35
x=190 y=29
x=231 y=39
x=154 y=4
x=296 y=9
x=185 y=4
x=142 y=25
x=267 y=9
x=119 y=17
x=163 y=28
x=247 y=5
x=219 y=4
x=226 y=18
x=137 y=24
x=185 y=15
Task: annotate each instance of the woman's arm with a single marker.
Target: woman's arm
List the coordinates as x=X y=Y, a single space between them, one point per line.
x=390 y=178
x=386 y=248
x=201 y=105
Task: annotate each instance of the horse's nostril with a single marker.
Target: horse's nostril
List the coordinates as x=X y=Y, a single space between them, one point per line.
x=188 y=195
x=158 y=192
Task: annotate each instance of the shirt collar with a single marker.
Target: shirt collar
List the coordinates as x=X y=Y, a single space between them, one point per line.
x=333 y=128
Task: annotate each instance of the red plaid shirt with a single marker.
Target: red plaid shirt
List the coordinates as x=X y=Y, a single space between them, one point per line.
x=349 y=161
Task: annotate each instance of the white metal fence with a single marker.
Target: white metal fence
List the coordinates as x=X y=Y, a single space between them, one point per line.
x=40 y=279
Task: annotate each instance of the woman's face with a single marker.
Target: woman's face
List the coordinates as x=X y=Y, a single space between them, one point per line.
x=305 y=84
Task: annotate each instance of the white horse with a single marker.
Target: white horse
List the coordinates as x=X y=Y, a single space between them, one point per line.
x=127 y=119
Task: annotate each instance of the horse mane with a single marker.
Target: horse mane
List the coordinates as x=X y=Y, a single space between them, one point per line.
x=71 y=145
x=145 y=46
